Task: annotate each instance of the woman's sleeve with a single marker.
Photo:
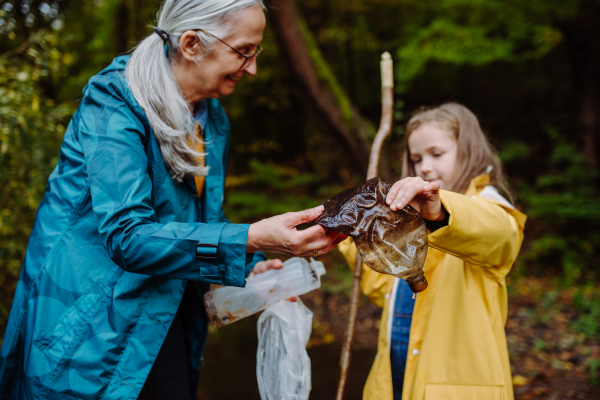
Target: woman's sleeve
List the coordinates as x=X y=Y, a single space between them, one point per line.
x=112 y=139
x=373 y=284
x=479 y=232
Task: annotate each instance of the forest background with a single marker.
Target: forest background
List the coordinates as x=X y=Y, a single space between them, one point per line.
x=301 y=132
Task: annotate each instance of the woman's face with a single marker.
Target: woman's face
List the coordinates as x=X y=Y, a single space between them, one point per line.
x=433 y=152
x=218 y=72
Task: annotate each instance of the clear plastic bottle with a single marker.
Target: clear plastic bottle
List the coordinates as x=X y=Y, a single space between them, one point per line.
x=390 y=242
x=228 y=304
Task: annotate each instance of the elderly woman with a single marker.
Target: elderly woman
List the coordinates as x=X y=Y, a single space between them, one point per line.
x=131 y=232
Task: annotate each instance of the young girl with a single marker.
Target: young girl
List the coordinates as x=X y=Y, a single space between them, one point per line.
x=450 y=343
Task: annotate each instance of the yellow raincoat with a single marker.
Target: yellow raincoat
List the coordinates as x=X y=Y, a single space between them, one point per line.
x=457 y=347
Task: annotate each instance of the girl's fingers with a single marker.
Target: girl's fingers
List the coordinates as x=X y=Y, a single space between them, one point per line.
x=410 y=190
x=431 y=191
x=431 y=188
x=407 y=193
x=395 y=189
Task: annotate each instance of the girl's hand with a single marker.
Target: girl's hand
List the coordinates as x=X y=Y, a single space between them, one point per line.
x=279 y=235
x=423 y=196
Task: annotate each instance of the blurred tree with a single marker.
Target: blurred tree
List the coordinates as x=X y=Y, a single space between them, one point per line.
x=482 y=32
x=564 y=199
x=319 y=83
x=31 y=130
x=519 y=65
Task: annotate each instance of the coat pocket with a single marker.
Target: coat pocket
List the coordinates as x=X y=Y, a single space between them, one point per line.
x=57 y=339
x=463 y=392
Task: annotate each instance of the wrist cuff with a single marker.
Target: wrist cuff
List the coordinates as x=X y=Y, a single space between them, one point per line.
x=435 y=225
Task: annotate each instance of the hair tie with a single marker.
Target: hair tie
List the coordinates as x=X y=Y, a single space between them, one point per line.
x=163 y=35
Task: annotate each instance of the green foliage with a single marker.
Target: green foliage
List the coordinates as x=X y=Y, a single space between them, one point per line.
x=478 y=32
x=565 y=200
x=587 y=304
x=269 y=189
x=513 y=150
x=31 y=131
x=594 y=366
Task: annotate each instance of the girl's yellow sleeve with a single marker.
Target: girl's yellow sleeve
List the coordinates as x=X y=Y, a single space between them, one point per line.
x=480 y=232
x=373 y=284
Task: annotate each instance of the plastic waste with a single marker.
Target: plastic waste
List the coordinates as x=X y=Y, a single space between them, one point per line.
x=282 y=363
x=390 y=242
x=228 y=304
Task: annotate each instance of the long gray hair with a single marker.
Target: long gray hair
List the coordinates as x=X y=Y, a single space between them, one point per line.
x=148 y=74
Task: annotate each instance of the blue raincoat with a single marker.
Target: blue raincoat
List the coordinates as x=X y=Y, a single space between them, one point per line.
x=115 y=243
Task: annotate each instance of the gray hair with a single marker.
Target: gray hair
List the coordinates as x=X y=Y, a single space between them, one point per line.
x=148 y=74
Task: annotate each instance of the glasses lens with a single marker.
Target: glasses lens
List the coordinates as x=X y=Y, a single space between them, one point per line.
x=246 y=62
x=249 y=60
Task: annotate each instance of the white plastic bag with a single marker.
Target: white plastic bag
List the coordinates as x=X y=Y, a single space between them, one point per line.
x=282 y=363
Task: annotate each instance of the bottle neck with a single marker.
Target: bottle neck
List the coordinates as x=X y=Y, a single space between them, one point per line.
x=417 y=282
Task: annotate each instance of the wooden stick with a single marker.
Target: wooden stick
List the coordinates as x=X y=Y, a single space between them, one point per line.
x=385 y=127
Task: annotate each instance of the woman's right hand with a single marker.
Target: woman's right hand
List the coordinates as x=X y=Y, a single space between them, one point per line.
x=278 y=234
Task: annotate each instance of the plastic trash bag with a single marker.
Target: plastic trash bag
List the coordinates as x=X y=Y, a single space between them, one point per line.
x=390 y=242
x=282 y=363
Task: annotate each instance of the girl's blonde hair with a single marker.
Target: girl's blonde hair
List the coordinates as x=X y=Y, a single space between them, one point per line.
x=475 y=155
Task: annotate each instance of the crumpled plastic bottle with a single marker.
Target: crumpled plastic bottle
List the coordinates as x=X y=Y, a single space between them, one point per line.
x=228 y=304
x=390 y=242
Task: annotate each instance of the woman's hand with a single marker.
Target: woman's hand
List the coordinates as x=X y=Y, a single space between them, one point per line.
x=264 y=266
x=422 y=195
x=279 y=235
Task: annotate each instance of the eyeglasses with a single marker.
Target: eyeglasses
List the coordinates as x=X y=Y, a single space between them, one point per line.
x=248 y=58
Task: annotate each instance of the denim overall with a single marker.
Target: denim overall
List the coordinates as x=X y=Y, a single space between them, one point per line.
x=402 y=318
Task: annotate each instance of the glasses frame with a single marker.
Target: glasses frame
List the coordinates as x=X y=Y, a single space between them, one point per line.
x=248 y=58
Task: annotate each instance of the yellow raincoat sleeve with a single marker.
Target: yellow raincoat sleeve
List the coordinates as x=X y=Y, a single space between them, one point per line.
x=373 y=284
x=480 y=231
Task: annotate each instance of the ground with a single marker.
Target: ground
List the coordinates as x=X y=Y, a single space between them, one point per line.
x=553 y=337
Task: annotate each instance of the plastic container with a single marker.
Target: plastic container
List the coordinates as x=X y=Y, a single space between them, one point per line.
x=390 y=242
x=228 y=304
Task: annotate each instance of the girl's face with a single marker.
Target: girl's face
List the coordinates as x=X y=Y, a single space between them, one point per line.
x=433 y=152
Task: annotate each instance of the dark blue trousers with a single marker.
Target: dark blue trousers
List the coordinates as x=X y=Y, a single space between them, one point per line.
x=401 y=321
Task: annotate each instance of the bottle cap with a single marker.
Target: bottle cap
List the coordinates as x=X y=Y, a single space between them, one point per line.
x=317 y=266
x=418 y=283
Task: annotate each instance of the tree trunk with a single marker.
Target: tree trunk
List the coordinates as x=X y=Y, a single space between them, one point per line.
x=319 y=84
x=582 y=39
x=589 y=120
x=122 y=24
